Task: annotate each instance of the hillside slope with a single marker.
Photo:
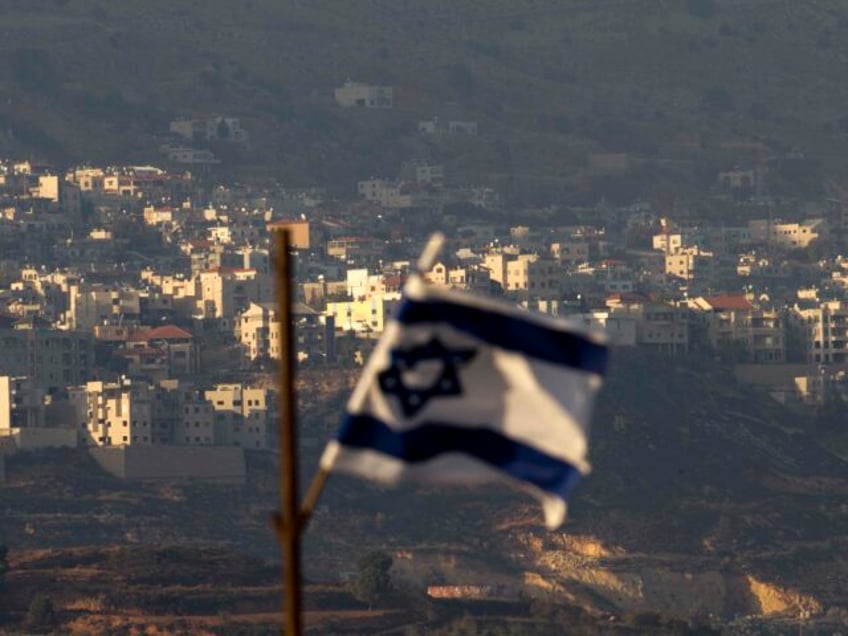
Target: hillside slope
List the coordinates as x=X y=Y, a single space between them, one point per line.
x=548 y=81
x=697 y=486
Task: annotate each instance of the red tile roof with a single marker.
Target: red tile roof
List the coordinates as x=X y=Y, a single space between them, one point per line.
x=165 y=332
x=729 y=301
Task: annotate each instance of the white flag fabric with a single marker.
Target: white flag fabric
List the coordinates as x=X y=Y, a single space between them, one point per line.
x=463 y=390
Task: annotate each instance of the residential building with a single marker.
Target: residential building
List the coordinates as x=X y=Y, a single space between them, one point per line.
x=424 y=173
x=822 y=331
x=535 y=275
x=470 y=277
x=788 y=235
x=114 y=413
x=357 y=94
x=51 y=358
x=258 y=331
x=97 y=304
x=690 y=264
x=175 y=346
x=456 y=126
x=214 y=128
x=223 y=293
x=21 y=403
x=659 y=327
x=667 y=242
x=733 y=323
x=365 y=317
x=242 y=415
x=298 y=231
x=189 y=156
x=182 y=415
x=570 y=251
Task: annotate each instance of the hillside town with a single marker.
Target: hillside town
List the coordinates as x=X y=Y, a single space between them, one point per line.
x=137 y=305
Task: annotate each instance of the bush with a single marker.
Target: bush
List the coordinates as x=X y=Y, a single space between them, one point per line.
x=41 y=612
x=372 y=577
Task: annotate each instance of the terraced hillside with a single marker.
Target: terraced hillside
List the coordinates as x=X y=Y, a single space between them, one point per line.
x=704 y=501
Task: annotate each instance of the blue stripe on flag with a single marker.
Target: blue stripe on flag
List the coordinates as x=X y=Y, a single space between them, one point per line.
x=513 y=333
x=430 y=439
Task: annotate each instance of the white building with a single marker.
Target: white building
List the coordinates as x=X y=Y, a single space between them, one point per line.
x=113 y=413
x=21 y=403
x=214 y=128
x=357 y=94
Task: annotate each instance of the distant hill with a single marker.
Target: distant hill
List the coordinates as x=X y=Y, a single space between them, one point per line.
x=548 y=81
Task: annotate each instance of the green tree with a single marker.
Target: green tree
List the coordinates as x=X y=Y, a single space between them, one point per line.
x=373 y=580
x=41 y=612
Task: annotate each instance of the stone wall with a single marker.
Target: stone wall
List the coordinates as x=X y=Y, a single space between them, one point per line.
x=208 y=463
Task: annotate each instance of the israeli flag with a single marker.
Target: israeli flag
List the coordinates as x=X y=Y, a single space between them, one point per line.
x=463 y=390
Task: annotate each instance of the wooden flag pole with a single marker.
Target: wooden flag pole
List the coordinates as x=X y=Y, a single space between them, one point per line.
x=291 y=520
x=288 y=520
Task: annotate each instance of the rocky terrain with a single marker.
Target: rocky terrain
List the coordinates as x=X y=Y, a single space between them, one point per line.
x=707 y=504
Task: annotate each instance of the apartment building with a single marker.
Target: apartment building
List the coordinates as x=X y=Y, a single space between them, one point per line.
x=788 y=235
x=533 y=274
x=365 y=317
x=242 y=415
x=97 y=304
x=465 y=278
x=51 y=358
x=136 y=412
x=690 y=264
x=667 y=243
x=733 y=322
x=223 y=293
x=258 y=331
x=298 y=231
x=822 y=331
x=655 y=326
x=21 y=403
x=182 y=415
x=570 y=251
x=114 y=413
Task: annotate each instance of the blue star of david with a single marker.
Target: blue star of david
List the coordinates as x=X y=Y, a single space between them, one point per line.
x=447 y=384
